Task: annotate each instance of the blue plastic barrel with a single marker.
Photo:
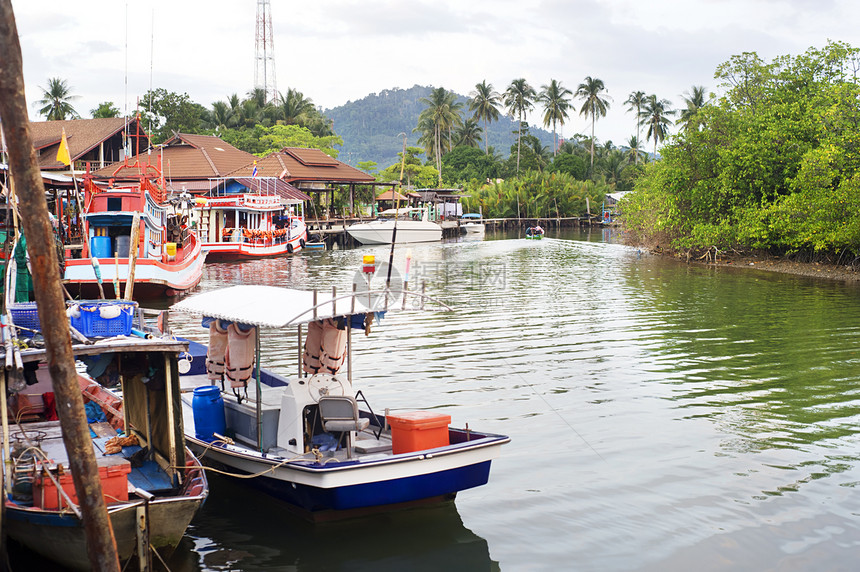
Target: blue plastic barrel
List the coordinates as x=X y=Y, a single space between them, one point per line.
x=100 y=247
x=208 y=409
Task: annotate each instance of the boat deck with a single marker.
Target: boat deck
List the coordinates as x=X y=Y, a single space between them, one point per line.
x=144 y=473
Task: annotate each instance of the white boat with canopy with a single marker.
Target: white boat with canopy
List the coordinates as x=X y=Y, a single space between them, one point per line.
x=398 y=226
x=304 y=438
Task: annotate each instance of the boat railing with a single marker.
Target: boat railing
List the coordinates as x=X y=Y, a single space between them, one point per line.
x=373 y=301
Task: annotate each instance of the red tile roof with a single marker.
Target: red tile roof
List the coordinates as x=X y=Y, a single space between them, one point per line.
x=83 y=136
x=300 y=165
x=188 y=157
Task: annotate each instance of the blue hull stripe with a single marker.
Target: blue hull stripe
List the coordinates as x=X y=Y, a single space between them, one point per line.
x=395 y=491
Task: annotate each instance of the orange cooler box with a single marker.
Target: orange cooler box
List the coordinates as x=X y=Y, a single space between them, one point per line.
x=113 y=473
x=418 y=430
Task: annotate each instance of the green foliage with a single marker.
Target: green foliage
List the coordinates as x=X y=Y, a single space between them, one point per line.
x=569 y=164
x=56 y=101
x=533 y=195
x=774 y=164
x=414 y=173
x=466 y=163
x=104 y=110
x=167 y=112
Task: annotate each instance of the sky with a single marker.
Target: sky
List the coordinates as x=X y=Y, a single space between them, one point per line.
x=335 y=51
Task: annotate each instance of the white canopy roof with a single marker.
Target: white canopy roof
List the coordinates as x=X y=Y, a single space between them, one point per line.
x=270 y=306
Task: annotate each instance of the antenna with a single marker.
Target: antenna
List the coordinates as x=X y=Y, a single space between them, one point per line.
x=264 y=52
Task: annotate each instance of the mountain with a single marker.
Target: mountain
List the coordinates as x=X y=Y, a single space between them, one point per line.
x=371 y=126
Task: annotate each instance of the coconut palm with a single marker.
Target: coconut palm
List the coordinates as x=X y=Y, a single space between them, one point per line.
x=635 y=101
x=485 y=107
x=519 y=98
x=221 y=115
x=55 y=101
x=294 y=107
x=634 y=149
x=695 y=100
x=469 y=134
x=441 y=114
x=556 y=101
x=655 y=115
x=594 y=105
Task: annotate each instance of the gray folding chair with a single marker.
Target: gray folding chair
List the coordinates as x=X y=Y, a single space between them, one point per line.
x=339 y=414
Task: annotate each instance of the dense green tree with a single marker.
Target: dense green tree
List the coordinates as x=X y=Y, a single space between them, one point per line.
x=594 y=105
x=56 y=101
x=556 y=101
x=464 y=164
x=416 y=174
x=774 y=164
x=519 y=99
x=105 y=110
x=484 y=103
x=570 y=164
x=169 y=112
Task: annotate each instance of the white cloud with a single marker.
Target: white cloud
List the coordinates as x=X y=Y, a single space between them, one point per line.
x=341 y=50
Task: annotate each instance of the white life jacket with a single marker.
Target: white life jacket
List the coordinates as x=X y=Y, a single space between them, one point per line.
x=216 y=351
x=333 y=346
x=239 y=359
x=313 y=349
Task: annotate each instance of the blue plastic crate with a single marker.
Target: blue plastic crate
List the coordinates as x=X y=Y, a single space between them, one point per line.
x=26 y=315
x=91 y=323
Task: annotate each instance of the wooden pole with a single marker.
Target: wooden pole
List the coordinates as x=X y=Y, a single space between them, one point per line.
x=133 y=247
x=101 y=546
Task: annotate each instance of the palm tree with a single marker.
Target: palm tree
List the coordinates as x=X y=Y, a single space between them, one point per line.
x=221 y=115
x=519 y=98
x=294 y=107
x=55 y=101
x=485 y=106
x=634 y=149
x=656 y=116
x=556 y=101
x=635 y=101
x=469 y=134
x=442 y=113
x=695 y=100
x=590 y=91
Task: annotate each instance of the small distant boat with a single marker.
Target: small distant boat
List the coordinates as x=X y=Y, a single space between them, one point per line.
x=472 y=223
x=305 y=439
x=534 y=232
x=146 y=470
x=235 y=225
x=167 y=258
x=382 y=230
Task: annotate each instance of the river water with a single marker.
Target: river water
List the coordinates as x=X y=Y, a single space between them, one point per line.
x=662 y=416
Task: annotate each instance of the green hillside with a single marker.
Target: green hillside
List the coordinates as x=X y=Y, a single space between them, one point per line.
x=370 y=127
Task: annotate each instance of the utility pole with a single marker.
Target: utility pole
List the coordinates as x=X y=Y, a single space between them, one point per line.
x=264 y=52
x=101 y=546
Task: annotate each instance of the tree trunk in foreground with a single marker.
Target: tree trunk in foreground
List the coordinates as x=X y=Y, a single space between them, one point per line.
x=101 y=547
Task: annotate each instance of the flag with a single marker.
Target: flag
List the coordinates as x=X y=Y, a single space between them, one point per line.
x=63 y=152
x=254 y=173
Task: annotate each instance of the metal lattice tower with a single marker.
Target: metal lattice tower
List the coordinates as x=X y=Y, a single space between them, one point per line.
x=264 y=52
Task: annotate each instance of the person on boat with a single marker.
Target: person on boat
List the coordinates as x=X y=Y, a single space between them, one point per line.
x=538 y=230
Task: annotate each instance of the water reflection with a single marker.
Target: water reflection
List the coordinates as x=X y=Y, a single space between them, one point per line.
x=242 y=529
x=660 y=413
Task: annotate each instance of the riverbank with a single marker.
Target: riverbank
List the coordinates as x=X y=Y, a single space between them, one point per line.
x=781 y=265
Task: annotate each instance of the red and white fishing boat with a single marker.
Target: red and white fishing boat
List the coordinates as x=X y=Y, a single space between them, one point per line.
x=251 y=218
x=167 y=257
